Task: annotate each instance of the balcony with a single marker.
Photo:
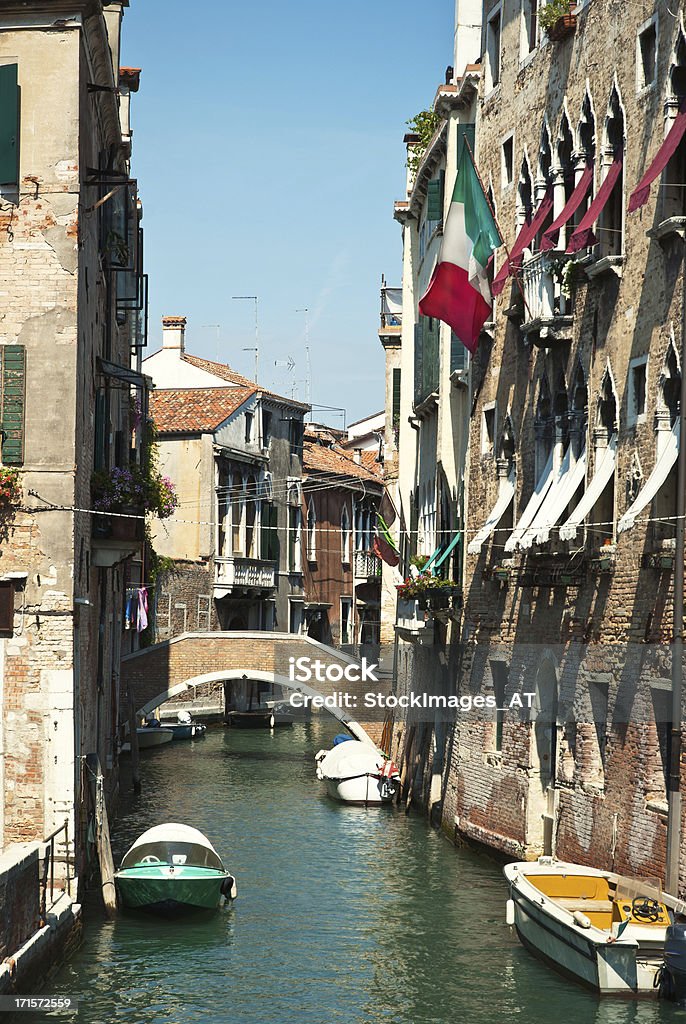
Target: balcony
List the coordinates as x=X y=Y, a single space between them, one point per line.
x=547 y=312
x=241 y=574
x=116 y=537
x=414 y=619
x=367 y=566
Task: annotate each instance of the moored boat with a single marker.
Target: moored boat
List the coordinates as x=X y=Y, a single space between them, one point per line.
x=269 y=715
x=171 y=867
x=358 y=773
x=185 y=728
x=151 y=737
x=600 y=928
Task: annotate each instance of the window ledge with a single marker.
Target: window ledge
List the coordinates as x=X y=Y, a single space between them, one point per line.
x=460 y=378
x=672 y=227
x=545 y=331
x=658 y=806
x=606 y=265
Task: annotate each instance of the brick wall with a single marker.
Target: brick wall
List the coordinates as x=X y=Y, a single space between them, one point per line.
x=19 y=896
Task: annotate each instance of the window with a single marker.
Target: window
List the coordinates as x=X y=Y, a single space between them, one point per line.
x=636 y=399
x=269 y=534
x=488 y=429
x=237 y=508
x=295 y=616
x=646 y=55
x=345 y=536
x=295 y=436
x=493 y=50
x=251 y=502
x=611 y=220
x=266 y=428
x=346 y=620
x=311 y=532
x=529 y=27
x=508 y=161
x=294 y=539
x=249 y=417
x=6 y=609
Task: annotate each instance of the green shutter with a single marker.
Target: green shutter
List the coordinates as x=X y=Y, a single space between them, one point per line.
x=464 y=131
x=395 y=409
x=458 y=354
x=434 y=210
x=9 y=125
x=13 y=401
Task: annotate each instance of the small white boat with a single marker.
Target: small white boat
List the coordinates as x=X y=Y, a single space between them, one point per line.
x=184 y=728
x=602 y=929
x=358 y=773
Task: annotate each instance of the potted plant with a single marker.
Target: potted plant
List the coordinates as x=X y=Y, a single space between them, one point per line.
x=558 y=19
x=130 y=491
x=10 y=488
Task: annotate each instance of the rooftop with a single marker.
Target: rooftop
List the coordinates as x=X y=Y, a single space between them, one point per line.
x=195 y=410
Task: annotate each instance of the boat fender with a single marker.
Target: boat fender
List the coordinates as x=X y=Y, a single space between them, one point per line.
x=228 y=888
x=510 y=912
x=581 y=919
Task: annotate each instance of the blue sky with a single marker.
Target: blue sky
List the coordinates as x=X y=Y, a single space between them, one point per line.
x=268 y=149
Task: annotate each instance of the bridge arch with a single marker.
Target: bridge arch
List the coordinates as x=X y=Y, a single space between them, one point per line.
x=158 y=673
x=259 y=677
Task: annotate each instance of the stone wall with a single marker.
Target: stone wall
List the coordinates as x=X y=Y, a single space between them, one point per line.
x=19 y=896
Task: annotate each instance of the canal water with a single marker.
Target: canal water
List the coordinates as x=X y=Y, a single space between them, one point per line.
x=344 y=915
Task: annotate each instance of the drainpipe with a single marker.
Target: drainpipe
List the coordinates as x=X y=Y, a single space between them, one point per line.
x=674 y=794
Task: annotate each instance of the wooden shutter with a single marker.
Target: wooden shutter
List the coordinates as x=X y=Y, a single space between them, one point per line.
x=395 y=408
x=9 y=124
x=13 y=402
x=418 y=360
x=6 y=609
x=434 y=209
x=464 y=131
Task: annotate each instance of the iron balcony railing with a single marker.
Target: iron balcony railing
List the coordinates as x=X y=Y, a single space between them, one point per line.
x=367 y=565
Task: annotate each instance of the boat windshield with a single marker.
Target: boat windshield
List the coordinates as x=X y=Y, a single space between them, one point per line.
x=175 y=853
x=629 y=889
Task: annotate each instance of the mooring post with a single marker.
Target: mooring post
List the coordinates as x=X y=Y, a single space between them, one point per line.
x=133 y=739
x=102 y=832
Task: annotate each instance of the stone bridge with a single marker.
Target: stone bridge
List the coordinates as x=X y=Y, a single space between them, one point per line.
x=156 y=674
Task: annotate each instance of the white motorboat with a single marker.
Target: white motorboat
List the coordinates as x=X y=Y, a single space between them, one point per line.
x=607 y=931
x=358 y=773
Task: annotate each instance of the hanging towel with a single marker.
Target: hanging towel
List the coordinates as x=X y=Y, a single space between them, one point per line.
x=142 y=620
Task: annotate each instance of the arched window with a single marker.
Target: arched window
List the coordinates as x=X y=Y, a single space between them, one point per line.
x=564 y=176
x=611 y=220
x=670 y=385
x=525 y=196
x=579 y=411
x=311 y=531
x=601 y=520
x=345 y=536
x=294 y=529
x=587 y=131
x=543 y=426
x=674 y=193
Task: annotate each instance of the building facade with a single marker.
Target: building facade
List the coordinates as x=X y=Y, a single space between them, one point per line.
x=235 y=453
x=70 y=338
x=341 y=497
x=573 y=432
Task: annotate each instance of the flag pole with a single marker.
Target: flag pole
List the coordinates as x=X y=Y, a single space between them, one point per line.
x=495 y=221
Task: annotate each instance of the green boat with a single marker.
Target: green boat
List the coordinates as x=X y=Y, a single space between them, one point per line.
x=172 y=867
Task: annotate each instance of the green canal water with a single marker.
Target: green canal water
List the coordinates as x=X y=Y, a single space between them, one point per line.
x=344 y=915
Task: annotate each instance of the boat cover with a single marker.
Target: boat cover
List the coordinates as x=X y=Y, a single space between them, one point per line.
x=353 y=760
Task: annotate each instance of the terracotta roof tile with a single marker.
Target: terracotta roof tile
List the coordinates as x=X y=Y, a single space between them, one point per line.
x=319 y=458
x=190 y=410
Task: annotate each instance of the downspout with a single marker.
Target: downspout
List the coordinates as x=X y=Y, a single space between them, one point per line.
x=674 y=793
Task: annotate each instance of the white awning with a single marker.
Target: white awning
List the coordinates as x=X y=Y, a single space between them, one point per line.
x=603 y=473
x=550 y=501
x=559 y=497
x=507 y=489
x=542 y=487
x=654 y=482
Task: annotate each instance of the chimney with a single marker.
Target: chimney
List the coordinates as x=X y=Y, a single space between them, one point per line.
x=357 y=455
x=173 y=332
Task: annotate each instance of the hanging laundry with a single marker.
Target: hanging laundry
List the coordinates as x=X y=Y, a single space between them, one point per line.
x=142 y=619
x=130 y=609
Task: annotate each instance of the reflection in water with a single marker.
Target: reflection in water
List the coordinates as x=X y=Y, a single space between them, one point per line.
x=344 y=915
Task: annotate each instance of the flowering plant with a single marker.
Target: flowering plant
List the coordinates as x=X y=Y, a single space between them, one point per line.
x=10 y=488
x=418 y=585
x=131 y=487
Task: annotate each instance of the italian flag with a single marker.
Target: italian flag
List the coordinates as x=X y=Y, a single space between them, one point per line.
x=459 y=293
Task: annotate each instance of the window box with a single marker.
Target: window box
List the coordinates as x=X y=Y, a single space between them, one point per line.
x=563 y=27
x=667 y=230
x=604 y=559
x=606 y=265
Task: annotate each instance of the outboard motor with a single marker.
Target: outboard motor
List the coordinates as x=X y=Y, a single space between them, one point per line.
x=671 y=980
